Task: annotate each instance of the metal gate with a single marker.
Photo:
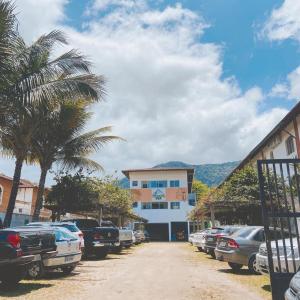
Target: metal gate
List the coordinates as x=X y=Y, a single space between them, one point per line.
x=279 y=181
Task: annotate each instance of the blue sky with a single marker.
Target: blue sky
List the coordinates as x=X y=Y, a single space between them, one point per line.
x=196 y=81
x=235 y=25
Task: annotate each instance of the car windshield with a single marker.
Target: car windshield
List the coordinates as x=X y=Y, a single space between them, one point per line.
x=244 y=232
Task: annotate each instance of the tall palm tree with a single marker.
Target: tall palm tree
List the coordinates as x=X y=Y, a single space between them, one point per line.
x=35 y=78
x=60 y=140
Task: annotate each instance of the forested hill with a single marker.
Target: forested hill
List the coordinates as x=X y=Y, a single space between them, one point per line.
x=210 y=174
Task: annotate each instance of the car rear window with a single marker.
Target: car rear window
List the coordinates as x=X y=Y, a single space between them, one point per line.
x=231 y=230
x=71 y=227
x=87 y=223
x=244 y=232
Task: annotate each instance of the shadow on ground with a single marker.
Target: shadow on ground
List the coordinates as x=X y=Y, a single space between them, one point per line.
x=22 y=288
x=239 y=272
x=267 y=288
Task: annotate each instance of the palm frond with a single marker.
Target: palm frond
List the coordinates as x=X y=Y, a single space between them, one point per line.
x=79 y=162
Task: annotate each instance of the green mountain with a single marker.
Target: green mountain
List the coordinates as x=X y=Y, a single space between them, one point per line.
x=210 y=174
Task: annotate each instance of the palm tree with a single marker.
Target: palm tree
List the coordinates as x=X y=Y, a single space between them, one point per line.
x=60 y=140
x=34 y=78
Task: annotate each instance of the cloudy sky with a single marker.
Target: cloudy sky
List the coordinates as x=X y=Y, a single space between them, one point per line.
x=196 y=81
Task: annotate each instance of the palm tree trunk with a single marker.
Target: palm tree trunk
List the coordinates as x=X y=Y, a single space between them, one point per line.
x=41 y=190
x=13 y=192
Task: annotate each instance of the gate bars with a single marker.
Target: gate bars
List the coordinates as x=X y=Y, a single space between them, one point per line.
x=279 y=185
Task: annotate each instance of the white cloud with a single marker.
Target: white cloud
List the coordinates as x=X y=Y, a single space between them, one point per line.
x=284 y=22
x=166 y=94
x=290 y=88
x=37 y=17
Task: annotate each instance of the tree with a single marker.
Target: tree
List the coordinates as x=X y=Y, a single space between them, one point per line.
x=200 y=189
x=84 y=194
x=35 y=78
x=72 y=193
x=59 y=140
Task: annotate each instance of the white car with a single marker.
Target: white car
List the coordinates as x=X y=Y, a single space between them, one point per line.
x=69 y=225
x=199 y=239
x=262 y=257
x=67 y=257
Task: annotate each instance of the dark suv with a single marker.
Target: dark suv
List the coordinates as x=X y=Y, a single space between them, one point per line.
x=98 y=240
x=18 y=248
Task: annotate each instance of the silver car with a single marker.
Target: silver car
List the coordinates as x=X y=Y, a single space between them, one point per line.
x=240 y=248
x=288 y=260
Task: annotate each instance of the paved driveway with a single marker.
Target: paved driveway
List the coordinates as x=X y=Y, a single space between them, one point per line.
x=156 y=271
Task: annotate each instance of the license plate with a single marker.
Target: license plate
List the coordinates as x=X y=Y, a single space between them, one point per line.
x=210 y=239
x=222 y=244
x=69 y=258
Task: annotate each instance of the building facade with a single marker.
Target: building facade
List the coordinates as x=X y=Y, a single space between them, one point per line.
x=25 y=202
x=163 y=197
x=282 y=142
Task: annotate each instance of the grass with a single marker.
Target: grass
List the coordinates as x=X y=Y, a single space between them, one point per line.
x=256 y=283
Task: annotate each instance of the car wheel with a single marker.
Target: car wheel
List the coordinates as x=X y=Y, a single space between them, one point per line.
x=117 y=249
x=235 y=267
x=102 y=253
x=68 y=270
x=252 y=265
x=212 y=253
x=128 y=246
x=200 y=249
x=36 y=270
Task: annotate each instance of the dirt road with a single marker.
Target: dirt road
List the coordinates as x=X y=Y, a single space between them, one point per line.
x=155 y=271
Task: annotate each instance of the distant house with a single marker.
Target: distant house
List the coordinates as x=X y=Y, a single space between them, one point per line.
x=163 y=197
x=25 y=203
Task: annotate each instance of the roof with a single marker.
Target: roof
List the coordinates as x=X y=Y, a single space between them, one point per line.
x=24 y=183
x=277 y=129
x=126 y=172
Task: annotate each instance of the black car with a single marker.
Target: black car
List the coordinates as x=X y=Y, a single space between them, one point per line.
x=18 y=249
x=98 y=240
x=213 y=235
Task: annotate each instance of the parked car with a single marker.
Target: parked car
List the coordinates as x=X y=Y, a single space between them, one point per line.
x=13 y=261
x=240 y=248
x=199 y=238
x=18 y=249
x=69 y=225
x=139 y=236
x=66 y=259
x=212 y=236
x=98 y=240
x=282 y=263
x=293 y=291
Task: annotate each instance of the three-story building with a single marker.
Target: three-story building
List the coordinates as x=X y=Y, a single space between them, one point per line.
x=163 y=197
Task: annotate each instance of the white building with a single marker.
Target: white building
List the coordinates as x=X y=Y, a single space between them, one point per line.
x=163 y=197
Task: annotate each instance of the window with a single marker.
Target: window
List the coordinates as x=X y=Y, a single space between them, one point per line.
x=271 y=155
x=162 y=184
x=153 y=184
x=174 y=183
x=134 y=183
x=158 y=184
x=134 y=204
x=155 y=205
x=175 y=205
x=289 y=144
x=146 y=205
x=145 y=184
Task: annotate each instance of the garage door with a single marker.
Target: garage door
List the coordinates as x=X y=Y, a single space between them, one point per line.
x=158 y=231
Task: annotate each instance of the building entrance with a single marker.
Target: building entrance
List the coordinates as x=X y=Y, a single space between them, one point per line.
x=179 y=231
